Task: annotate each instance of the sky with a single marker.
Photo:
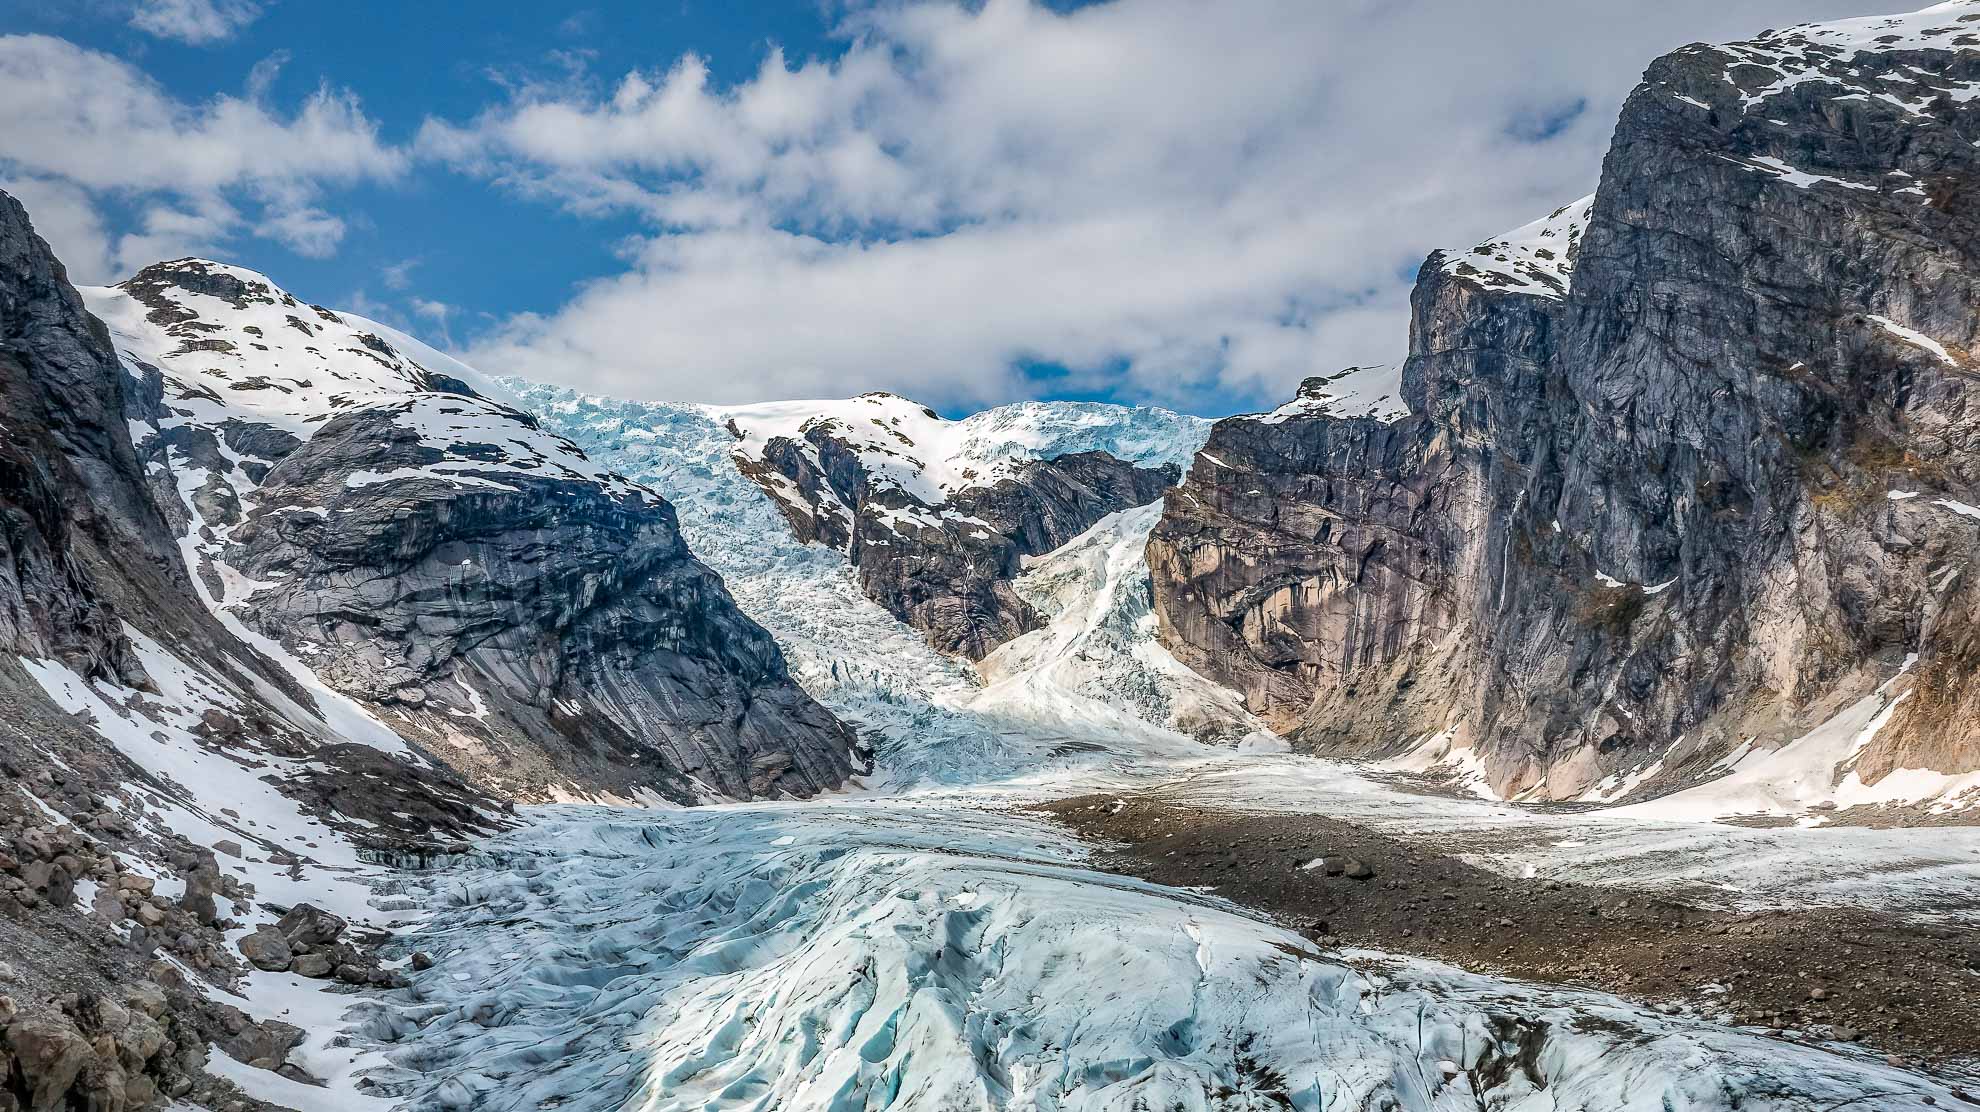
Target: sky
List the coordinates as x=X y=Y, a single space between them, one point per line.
x=1190 y=203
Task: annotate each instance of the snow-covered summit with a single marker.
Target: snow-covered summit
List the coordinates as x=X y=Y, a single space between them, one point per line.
x=262 y=370
x=1832 y=56
x=1535 y=258
x=908 y=447
x=233 y=344
x=1373 y=391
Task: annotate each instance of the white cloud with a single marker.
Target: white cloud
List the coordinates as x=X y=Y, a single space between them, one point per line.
x=440 y=313
x=1187 y=202
x=194 y=21
x=309 y=232
x=102 y=129
x=397 y=276
x=170 y=231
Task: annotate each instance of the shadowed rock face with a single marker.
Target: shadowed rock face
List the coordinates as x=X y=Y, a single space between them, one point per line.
x=71 y=492
x=946 y=569
x=558 y=628
x=1699 y=471
x=535 y=621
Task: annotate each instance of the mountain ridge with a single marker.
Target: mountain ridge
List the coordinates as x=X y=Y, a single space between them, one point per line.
x=1680 y=488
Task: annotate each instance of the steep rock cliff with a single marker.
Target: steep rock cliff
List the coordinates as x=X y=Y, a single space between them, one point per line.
x=1688 y=466
x=354 y=500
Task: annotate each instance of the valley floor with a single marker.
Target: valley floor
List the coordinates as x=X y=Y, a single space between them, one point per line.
x=1803 y=972
x=991 y=922
x=955 y=949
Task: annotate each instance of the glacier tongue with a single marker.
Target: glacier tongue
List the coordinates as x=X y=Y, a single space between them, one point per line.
x=941 y=954
x=1097 y=668
x=1055 y=702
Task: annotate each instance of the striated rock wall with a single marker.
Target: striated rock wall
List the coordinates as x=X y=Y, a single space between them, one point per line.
x=550 y=630
x=534 y=621
x=1687 y=467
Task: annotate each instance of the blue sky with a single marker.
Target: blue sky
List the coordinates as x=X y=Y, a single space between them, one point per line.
x=1187 y=203
x=408 y=61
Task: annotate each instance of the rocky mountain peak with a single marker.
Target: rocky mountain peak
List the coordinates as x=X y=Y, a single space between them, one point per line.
x=938 y=515
x=1536 y=258
x=374 y=515
x=1685 y=462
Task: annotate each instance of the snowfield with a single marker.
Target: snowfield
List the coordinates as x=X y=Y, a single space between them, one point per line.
x=1926 y=873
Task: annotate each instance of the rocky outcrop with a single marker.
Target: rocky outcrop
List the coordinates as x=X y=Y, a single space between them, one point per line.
x=1687 y=466
x=535 y=622
x=935 y=525
x=557 y=621
x=79 y=532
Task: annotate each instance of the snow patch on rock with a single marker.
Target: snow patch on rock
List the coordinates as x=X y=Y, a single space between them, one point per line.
x=1536 y=258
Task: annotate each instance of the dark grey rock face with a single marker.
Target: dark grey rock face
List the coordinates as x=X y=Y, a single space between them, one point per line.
x=544 y=630
x=71 y=493
x=94 y=596
x=89 y=552
x=534 y=622
x=1710 y=489
x=945 y=567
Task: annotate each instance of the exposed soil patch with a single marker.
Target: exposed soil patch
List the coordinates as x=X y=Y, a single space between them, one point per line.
x=1908 y=990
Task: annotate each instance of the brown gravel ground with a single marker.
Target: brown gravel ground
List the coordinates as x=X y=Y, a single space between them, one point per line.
x=1911 y=991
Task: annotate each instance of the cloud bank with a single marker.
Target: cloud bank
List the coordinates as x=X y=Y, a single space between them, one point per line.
x=1169 y=200
x=1190 y=203
x=83 y=129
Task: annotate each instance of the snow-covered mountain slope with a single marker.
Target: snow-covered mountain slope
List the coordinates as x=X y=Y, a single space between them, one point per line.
x=1096 y=665
x=1536 y=258
x=936 y=515
x=905 y=446
x=1374 y=392
x=1825 y=54
x=942 y=957
x=927 y=714
x=389 y=530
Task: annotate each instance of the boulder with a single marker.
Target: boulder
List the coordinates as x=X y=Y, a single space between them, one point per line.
x=49 y=1052
x=198 y=902
x=145 y=997
x=267 y=1041
x=267 y=949
x=307 y=925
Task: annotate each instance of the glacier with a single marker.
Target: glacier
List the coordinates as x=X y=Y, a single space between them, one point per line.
x=929 y=716
x=945 y=953
x=923 y=942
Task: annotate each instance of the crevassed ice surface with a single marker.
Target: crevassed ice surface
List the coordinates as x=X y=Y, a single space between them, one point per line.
x=863 y=955
x=938 y=948
x=926 y=713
